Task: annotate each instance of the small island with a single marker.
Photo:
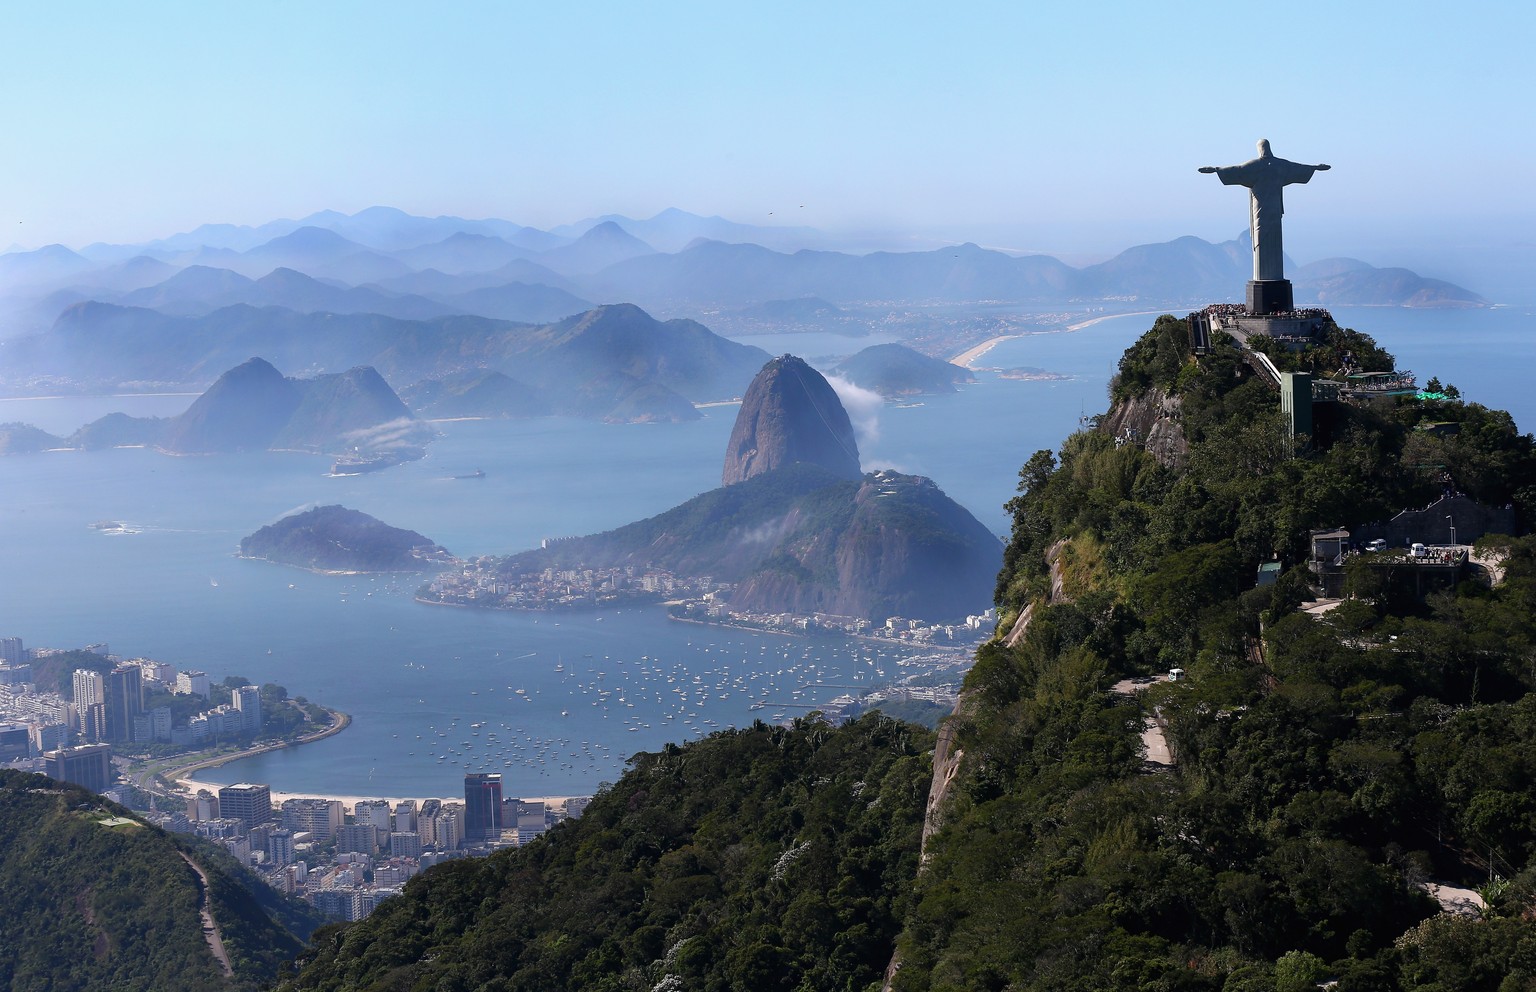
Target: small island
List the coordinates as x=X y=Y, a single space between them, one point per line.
x=338 y=539
x=894 y=371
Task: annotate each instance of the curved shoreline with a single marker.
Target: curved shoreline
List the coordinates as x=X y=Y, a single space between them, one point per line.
x=969 y=355
x=965 y=358
x=181 y=776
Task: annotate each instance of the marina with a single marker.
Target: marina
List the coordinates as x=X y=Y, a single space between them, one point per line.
x=559 y=727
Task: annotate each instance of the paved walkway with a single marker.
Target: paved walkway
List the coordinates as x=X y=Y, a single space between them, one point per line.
x=1154 y=741
x=1461 y=902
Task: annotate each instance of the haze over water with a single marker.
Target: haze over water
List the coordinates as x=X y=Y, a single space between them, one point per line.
x=173 y=590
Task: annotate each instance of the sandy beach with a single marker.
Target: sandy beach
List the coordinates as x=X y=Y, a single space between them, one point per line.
x=970 y=355
x=350 y=802
x=966 y=357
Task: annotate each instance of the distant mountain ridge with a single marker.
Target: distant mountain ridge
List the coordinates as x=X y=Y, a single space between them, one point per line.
x=587 y=365
x=254 y=407
x=673 y=258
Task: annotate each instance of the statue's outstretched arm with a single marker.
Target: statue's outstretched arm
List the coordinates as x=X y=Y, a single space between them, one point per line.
x=1319 y=168
x=1212 y=168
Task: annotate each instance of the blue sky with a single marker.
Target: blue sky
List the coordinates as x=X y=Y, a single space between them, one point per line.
x=1061 y=127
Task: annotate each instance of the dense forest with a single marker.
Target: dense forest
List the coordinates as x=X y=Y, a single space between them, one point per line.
x=1326 y=766
x=92 y=898
x=762 y=858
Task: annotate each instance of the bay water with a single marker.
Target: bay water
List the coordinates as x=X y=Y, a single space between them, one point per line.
x=556 y=702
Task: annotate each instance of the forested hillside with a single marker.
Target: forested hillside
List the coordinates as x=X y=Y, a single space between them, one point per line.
x=91 y=898
x=1325 y=766
x=763 y=858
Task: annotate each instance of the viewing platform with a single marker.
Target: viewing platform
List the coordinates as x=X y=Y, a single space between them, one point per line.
x=1431 y=546
x=1370 y=385
x=1294 y=329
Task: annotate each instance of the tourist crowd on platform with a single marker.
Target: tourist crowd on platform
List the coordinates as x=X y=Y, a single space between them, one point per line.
x=1241 y=310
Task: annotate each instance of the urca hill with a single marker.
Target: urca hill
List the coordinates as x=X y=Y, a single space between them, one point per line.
x=798 y=528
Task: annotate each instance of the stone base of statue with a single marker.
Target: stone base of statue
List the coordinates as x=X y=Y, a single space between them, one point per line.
x=1267 y=296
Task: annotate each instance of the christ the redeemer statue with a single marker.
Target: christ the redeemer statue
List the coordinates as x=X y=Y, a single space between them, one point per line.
x=1265 y=177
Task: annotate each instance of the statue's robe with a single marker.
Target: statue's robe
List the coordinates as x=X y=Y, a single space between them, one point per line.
x=1265 y=177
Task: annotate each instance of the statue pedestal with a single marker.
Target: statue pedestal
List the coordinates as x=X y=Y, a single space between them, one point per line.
x=1267 y=296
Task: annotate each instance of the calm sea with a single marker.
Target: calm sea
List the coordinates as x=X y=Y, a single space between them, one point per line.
x=560 y=700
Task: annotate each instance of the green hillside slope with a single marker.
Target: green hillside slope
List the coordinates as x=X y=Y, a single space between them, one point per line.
x=764 y=858
x=1325 y=766
x=92 y=899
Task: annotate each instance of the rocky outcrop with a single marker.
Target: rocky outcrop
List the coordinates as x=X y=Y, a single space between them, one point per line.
x=25 y=439
x=242 y=411
x=1153 y=420
x=117 y=430
x=790 y=414
x=352 y=408
x=798 y=529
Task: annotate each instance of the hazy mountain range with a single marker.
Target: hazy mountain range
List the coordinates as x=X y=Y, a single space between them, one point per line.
x=254 y=407
x=585 y=364
x=385 y=261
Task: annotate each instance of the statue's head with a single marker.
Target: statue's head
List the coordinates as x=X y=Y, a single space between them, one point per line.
x=1264 y=151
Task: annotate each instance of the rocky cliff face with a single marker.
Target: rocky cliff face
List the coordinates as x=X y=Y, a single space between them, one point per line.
x=1153 y=420
x=790 y=414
